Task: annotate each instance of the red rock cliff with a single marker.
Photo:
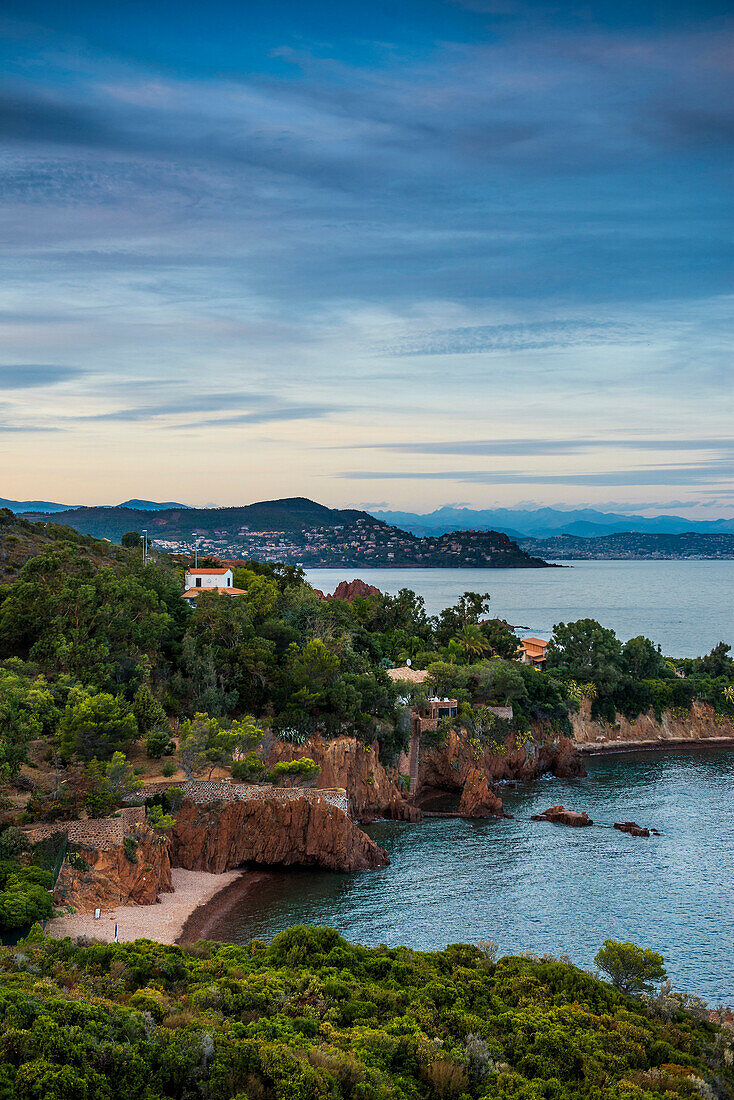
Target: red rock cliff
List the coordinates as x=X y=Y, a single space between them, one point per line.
x=219 y=836
x=450 y=766
x=700 y=724
x=345 y=762
x=115 y=879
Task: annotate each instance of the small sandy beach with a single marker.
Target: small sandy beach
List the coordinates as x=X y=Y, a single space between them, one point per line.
x=163 y=922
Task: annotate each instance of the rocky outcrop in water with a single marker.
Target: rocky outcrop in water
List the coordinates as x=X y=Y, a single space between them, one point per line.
x=559 y=815
x=478 y=799
x=701 y=723
x=219 y=836
x=631 y=827
x=372 y=788
x=351 y=590
x=131 y=874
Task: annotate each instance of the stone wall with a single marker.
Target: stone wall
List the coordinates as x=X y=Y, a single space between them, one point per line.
x=100 y=832
x=201 y=791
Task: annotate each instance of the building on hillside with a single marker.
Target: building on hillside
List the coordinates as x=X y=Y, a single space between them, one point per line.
x=220 y=581
x=407 y=675
x=531 y=651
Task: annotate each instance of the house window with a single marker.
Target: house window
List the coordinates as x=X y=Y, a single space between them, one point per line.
x=198 y=582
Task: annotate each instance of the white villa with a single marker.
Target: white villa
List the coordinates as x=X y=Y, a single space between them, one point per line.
x=220 y=581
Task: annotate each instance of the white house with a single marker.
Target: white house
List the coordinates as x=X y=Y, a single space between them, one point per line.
x=220 y=581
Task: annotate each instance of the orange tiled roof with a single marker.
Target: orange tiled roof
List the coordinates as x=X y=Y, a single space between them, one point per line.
x=206 y=572
x=534 y=642
x=407 y=675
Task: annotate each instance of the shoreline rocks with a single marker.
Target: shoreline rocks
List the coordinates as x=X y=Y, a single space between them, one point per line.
x=559 y=815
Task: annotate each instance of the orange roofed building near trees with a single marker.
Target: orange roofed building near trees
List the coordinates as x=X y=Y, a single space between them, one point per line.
x=220 y=581
x=531 y=651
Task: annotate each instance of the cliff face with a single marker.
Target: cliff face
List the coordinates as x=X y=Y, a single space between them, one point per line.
x=113 y=879
x=219 y=836
x=345 y=762
x=452 y=765
x=701 y=724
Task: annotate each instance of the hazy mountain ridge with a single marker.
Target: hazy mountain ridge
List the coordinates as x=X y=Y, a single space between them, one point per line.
x=548 y=522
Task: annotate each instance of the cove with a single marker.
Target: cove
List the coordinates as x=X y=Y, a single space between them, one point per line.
x=532 y=886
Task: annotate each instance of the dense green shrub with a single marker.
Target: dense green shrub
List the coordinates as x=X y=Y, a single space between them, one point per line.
x=312 y=1017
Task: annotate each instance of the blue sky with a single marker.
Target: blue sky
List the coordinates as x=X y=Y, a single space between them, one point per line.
x=390 y=253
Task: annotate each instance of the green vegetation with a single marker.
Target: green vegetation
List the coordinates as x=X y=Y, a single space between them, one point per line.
x=99 y=651
x=312 y=1016
x=631 y=968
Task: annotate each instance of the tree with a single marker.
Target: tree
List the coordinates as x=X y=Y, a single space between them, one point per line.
x=585 y=650
x=204 y=743
x=95 y=725
x=131 y=539
x=291 y=770
x=717 y=662
x=643 y=660
x=108 y=784
x=506 y=682
x=502 y=640
x=149 y=714
x=98 y=625
x=632 y=969
x=468 y=609
x=27 y=711
x=472 y=641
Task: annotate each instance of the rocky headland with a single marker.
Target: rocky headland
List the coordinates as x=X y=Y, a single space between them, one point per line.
x=698 y=725
x=301 y=832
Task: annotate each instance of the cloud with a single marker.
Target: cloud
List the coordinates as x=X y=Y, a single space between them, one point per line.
x=19 y=376
x=531 y=336
x=532 y=447
x=657 y=475
x=261 y=408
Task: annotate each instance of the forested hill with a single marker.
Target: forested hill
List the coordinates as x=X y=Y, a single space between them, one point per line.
x=297 y=531
x=289 y=514
x=21 y=540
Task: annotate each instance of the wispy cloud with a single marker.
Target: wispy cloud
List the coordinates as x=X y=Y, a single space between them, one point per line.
x=655 y=475
x=533 y=447
x=20 y=376
x=532 y=336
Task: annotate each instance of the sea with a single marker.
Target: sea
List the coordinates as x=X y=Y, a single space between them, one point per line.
x=685 y=606
x=533 y=886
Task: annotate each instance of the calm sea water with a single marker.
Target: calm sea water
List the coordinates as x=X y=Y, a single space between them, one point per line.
x=534 y=886
x=685 y=606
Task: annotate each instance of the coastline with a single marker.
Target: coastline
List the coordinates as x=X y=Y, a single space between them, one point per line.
x=166 y=921
x=605 y=748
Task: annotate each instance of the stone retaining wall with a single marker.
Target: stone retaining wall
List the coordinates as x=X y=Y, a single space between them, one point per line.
x=218 y=790
x=100 y=832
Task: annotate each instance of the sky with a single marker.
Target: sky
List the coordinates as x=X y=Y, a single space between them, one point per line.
x=402 y=253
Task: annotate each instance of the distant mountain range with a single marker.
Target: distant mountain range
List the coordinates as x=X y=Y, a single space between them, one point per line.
x=297 y=531
x=547 y=522
x=48 y=507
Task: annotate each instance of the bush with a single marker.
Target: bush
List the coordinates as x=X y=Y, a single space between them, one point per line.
x=168 y=769
x=13 y=842
x=130 y=846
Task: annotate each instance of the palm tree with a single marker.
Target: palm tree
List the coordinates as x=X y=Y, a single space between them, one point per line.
x=472 y=641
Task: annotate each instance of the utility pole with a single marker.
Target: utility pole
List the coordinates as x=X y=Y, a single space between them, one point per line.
x=196 y=552
x=145 y=546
